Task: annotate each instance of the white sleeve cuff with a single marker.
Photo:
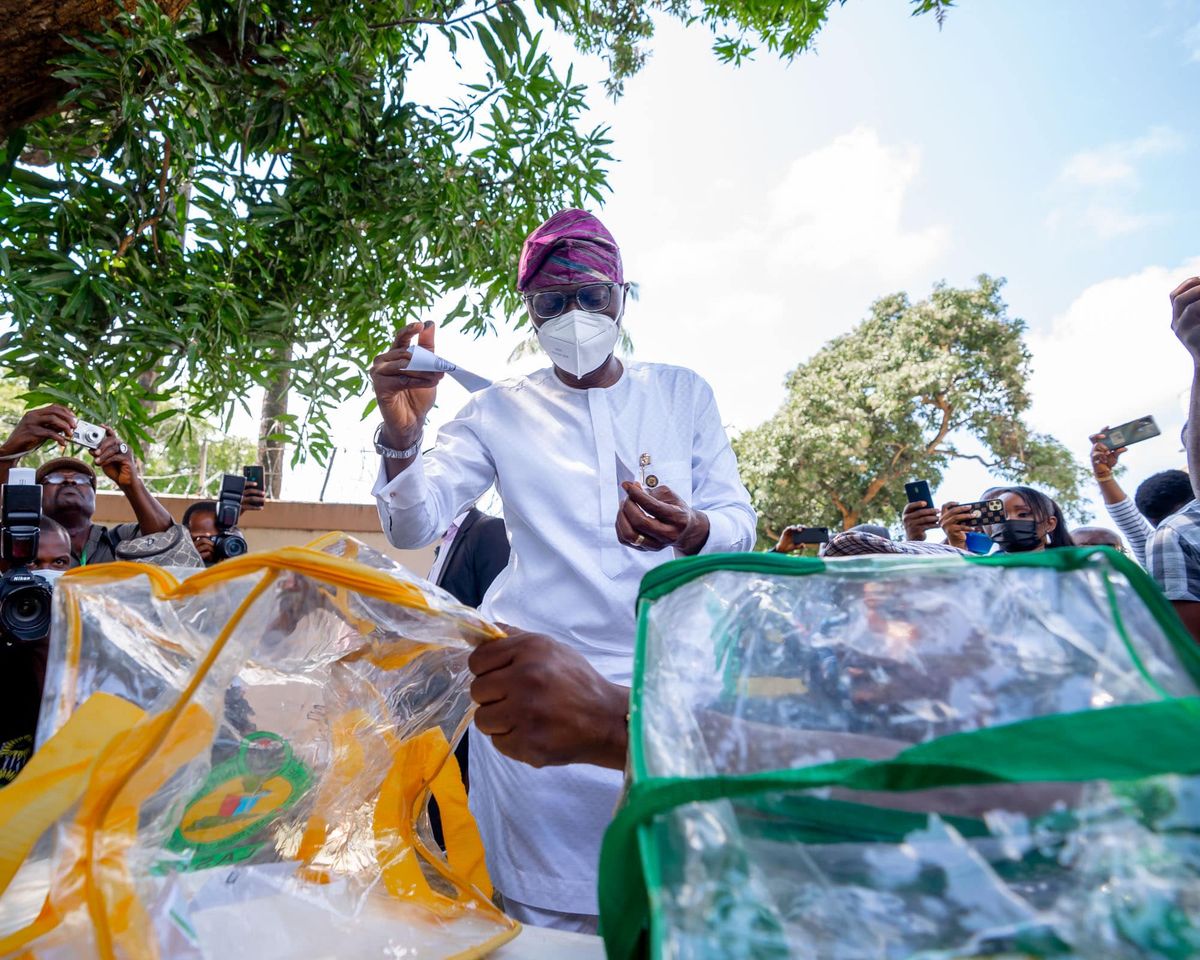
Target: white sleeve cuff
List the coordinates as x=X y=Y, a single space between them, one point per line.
x=405 y=490
x=723 y=534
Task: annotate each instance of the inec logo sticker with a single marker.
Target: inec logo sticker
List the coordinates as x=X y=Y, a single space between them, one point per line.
x=238 y=800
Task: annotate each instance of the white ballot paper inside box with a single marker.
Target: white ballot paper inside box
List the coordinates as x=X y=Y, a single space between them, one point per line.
x=426 y=361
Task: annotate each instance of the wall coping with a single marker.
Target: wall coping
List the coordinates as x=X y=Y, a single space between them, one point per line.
x=113 y=508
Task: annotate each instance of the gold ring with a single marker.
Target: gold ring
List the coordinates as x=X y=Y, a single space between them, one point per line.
x=639 y=540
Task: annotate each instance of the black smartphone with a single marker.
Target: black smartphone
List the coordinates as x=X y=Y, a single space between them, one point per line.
x=254 y=475
x=917 y=491
x=810 y=535
x=990 y=511
x=1135 y=431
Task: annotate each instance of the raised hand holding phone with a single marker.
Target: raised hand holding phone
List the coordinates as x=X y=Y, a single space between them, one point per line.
x=920 y=513
x=255 y=495
x=1135 y=431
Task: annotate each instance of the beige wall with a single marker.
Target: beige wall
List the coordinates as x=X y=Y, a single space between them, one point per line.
x=287 y=523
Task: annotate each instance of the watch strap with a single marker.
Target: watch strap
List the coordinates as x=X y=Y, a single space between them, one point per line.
x=390 y=454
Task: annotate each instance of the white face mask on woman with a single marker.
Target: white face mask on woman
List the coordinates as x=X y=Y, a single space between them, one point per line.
x=579 y=342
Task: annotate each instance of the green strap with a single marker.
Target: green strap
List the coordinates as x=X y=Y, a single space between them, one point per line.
x=1108 y=744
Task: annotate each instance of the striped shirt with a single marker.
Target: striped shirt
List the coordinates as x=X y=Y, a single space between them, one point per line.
x=1135 y=528
x=1174 y=554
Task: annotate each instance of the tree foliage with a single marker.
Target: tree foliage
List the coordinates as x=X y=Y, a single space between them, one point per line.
x=894 y=400
x=248 y=195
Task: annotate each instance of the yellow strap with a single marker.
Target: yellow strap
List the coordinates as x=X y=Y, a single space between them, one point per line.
x=419 y=762
x=132 y=932
x=348 y=762
x=55 y=777
x=464 y=846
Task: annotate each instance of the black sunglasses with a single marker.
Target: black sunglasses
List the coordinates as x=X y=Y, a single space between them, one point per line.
x=591 y=297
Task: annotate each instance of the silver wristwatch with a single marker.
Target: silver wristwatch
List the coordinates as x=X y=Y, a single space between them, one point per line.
x=406 y=454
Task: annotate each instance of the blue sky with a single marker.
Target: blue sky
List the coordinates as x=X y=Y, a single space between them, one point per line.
x=762 y=209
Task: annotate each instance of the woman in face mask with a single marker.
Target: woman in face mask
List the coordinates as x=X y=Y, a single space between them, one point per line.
x=1032 y=522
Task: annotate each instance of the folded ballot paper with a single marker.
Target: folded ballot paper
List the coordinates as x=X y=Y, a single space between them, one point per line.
x=426 y=361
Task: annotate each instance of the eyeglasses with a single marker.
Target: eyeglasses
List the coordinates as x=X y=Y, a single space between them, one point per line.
x=70 y=479
x=591 y=297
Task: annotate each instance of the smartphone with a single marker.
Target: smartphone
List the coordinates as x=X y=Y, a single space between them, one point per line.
x=1135 y=431
x=254 y=475
x=918 y=492
x=990 y=511
x=810 y=535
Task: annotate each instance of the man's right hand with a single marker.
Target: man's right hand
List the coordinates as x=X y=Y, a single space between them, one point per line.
x=1185 y=315
x=1104 y=460
x=405 y=398
x=54 y=422
x=204 y=547
x=918 y=517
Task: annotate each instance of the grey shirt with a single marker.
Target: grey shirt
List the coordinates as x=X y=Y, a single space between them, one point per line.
x=102 y=544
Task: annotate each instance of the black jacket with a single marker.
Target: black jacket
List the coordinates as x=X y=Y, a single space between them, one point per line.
x=478 y=552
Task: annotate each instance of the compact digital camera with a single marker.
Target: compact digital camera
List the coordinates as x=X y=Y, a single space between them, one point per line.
x=87 y=434
x=25 y=597
x=227 y=545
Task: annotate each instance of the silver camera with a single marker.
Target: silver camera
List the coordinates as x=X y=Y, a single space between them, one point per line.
x=87 y=434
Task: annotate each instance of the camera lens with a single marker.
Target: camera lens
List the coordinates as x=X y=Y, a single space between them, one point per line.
x=25 y=611
x=235 y=546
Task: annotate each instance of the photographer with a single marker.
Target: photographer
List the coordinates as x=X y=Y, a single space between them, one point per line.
x=201 y=522
x=69 y=484
x=29 y=542
x=212 y=524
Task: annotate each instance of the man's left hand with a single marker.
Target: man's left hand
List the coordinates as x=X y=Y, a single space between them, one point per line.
x=115 y=458
x=653 y=520
x=253 y=498
x=542 y=703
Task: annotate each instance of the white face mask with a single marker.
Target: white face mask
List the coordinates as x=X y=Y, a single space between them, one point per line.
x=579 y=342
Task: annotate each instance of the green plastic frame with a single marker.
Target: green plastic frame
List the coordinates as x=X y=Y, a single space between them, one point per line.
x=1107 y=744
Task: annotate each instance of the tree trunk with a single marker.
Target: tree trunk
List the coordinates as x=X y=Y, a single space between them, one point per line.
x=202 y=469
x=31 y=40
x=274 y=407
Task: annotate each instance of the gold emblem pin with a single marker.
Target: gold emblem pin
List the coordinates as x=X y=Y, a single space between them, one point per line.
x=644 y=462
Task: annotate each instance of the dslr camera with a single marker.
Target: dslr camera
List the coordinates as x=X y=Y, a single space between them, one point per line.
x=25 y=597
x=227 y=545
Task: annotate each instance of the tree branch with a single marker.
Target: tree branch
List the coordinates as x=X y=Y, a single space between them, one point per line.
x=884 y=478
x=991 y=465
x=842 y=509
x=439 y=21
x=138 y=231
x=947 y=413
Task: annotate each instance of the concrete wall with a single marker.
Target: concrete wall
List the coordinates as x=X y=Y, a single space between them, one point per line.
x=286 y=523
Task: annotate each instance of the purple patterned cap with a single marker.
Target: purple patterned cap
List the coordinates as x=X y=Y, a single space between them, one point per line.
x=571 y=247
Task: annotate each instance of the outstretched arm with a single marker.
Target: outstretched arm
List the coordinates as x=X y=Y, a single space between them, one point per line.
x=1185 y=321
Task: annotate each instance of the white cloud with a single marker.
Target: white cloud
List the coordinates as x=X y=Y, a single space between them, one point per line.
x=1116 y=163
x=842 y=205
x=794 y=262
x=1095 y=188
x=1111 y=357
x=1191 y=40
x=1108 y=222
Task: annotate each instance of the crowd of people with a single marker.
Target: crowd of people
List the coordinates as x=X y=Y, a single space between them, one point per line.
x=633 y=468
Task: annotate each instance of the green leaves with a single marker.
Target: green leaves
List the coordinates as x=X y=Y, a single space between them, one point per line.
x=249 y=196
x=908 y=391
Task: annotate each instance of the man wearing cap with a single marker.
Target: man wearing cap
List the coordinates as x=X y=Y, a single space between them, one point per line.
x=69 y=485
x=606 y=470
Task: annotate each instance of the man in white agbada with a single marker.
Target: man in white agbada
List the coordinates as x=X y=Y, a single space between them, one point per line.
x=606 y=470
